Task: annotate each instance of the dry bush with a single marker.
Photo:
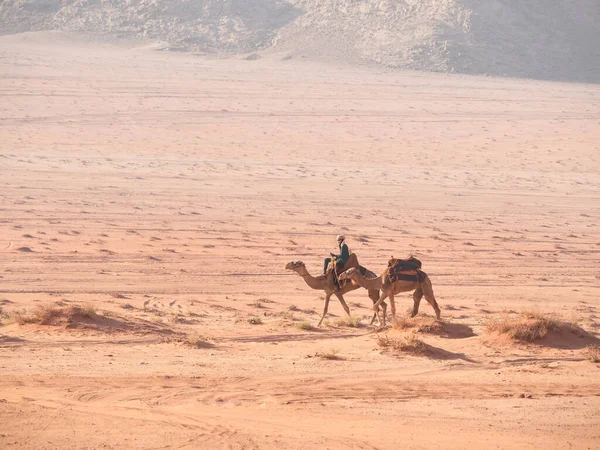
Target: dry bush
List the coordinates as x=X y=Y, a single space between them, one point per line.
x=51 y=314
x=286 y=315
x=179 y=318
x=331 y=355
x=196 y=340
x=420 y=324
x=6 y=318
x=155 y=318
x=255 y=321
x=535 y=314
x=528 y=327
x=86 y=310
x=593 y=353
x=406 y=344
x=306 y=326
x=43 y=315
x=351 y=321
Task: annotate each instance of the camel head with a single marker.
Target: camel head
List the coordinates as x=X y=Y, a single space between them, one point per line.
x=294 y=265
x=348 y=273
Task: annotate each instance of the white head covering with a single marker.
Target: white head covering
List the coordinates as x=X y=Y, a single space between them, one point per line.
x=341 y=237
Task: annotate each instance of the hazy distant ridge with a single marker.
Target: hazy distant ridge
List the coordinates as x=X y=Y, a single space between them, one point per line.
x=533 y=38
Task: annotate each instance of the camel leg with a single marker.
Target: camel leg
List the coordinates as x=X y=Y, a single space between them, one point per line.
x=384 y=295
x=393 y=305
x=378 y=315
x=325 y=306
x=428 y=291
x=375 y=316
x=417 y=296
x=384 y=307
x=343 y=302
x=374 y=296
x=381 y=302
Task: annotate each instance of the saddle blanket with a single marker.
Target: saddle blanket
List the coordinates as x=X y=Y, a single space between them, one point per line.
x=407 y=275
x=405 y=270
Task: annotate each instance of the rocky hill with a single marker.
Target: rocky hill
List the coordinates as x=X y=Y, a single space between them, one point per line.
x=533 y=38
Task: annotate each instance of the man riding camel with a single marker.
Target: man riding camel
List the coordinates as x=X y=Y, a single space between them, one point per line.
x=340 y=259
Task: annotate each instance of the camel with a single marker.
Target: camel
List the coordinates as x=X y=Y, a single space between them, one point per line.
x=327 y=283
x=389 y=289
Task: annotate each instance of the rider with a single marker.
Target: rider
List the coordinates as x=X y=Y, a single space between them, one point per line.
x=340 y=259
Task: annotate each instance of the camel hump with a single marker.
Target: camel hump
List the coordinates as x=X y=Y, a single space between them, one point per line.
x=352 y=262
x=410 y=263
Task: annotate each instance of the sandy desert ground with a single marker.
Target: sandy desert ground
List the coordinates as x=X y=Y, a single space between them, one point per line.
x=164 y=193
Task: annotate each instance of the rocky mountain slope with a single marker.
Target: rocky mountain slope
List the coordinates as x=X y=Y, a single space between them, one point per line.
x=534 y=38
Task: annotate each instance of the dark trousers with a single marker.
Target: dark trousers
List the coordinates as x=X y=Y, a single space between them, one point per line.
x=339 y=264
x=326 y=264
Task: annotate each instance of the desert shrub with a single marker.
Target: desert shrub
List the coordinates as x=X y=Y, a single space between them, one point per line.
x=51 y=314
x=87 y=310
x=406 y=344
x=331 y=355
x=287 y=315
x=419 y=324
x=528 y=327
x=196 y=340
x=179 y=318
x=352 y=322
x=306 y=326
x=43 y=315
x=593 y=353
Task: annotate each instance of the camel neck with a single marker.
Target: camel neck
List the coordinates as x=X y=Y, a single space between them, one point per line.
x=367 y=283
x=312 y=282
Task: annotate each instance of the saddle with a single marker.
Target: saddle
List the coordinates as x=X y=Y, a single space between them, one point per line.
x=352 y=262
x=405 y=269
x=337 y=270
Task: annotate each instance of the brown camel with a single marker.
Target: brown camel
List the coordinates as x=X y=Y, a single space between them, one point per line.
x=389 y=289
x=327 y=283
